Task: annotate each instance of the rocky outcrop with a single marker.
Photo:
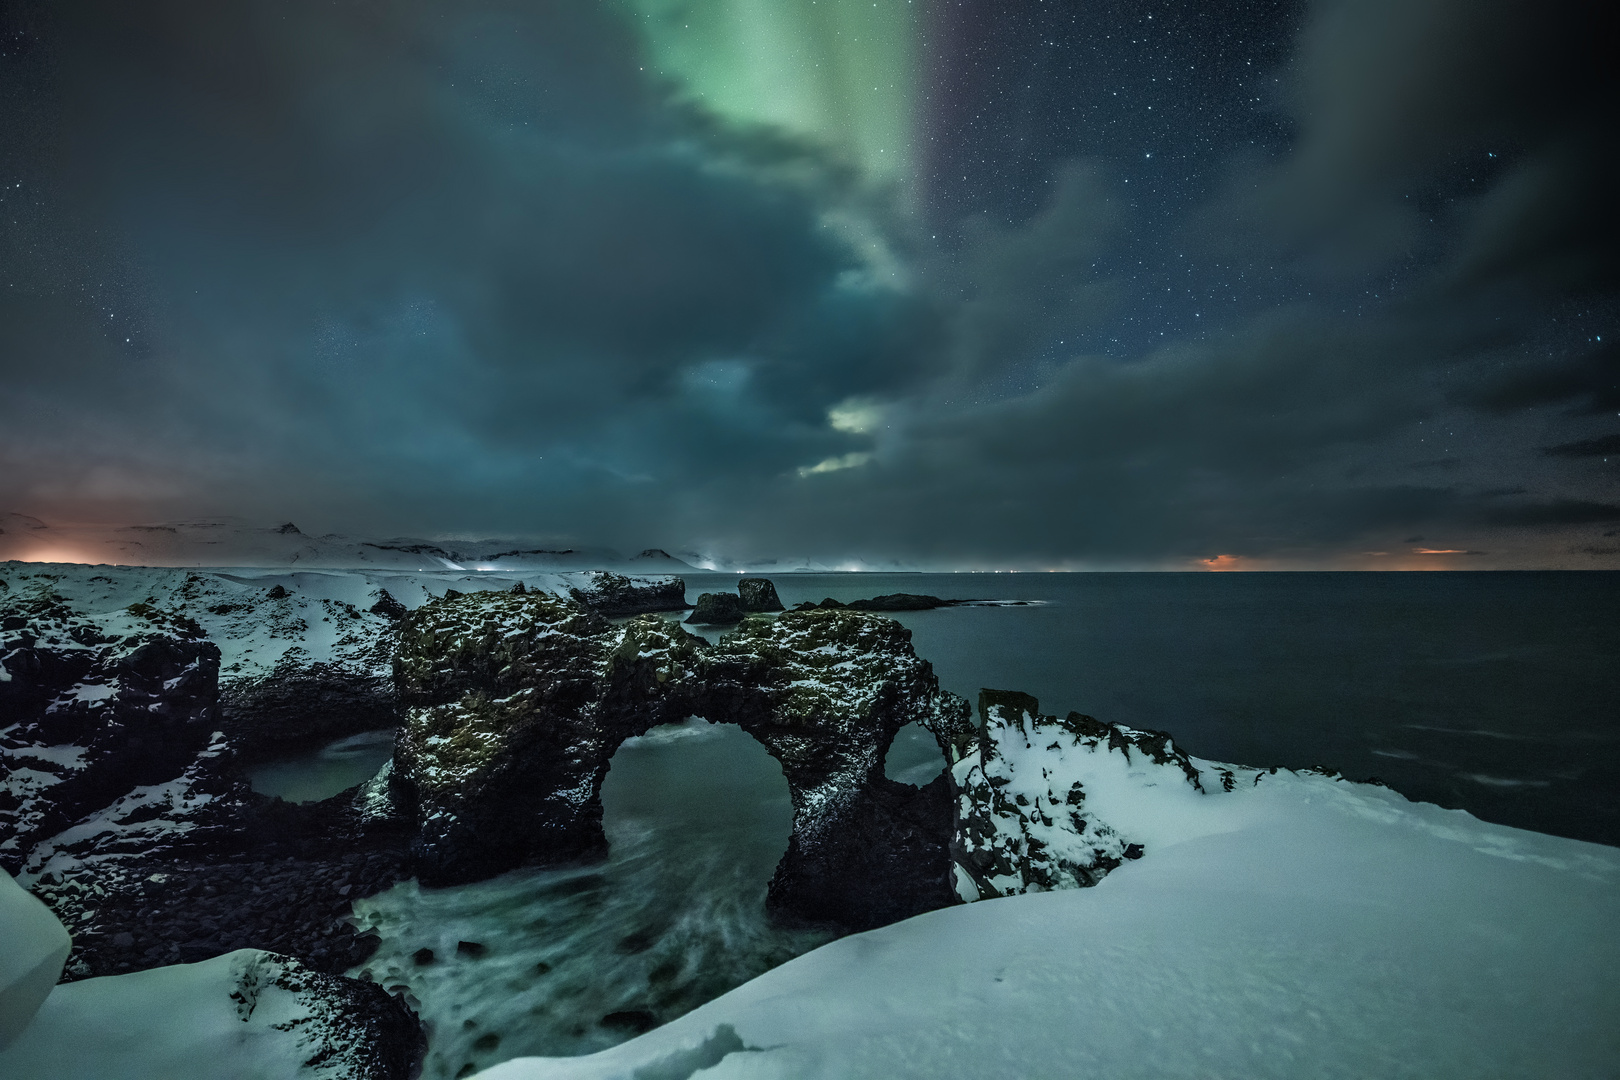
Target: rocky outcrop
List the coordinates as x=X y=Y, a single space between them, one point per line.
x=125 y=807
x=1037 y=797
x=248 y=1013
x=887 y=602
x=717 y=609
x=758 y=594
x=516 y=703
x=607 y=593
x=93 y=707
x=351 y=1030
x=302 y=704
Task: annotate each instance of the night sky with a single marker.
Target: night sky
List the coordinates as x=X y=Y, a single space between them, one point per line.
x=931 y=283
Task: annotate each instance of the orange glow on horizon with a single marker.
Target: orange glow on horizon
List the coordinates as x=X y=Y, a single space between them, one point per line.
x=1225 y=562
x=57 y=555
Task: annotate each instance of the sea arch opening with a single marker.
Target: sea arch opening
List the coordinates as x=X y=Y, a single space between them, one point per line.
x=698 y=799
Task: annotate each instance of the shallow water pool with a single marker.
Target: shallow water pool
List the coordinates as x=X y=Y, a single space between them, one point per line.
x=335 y=767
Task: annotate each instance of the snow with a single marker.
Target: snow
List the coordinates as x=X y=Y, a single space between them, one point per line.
x=324 y=618
x=221 y=1019
x=92 y=692
x=33 y=947
x=67 y=756
x=1308 y=927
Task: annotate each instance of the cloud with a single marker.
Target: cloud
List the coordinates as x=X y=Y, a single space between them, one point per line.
x=1590 y=381
x=434 y=266
x=1462 y=132
x=423 y=248
x=1600 y=446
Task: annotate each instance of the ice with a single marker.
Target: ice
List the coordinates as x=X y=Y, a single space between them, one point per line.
x=1313 y=928
x=33 y=947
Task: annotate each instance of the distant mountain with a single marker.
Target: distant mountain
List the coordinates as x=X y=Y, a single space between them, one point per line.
x=231 y=542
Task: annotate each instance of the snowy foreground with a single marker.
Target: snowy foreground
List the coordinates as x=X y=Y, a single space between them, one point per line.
x=1305 y=927
x=1298 y=926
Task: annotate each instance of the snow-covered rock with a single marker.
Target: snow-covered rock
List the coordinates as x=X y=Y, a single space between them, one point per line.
x=92 y=705
x=35 y=946
x=245 y=1014
x=305 y=656
x=607 y=593
x=1298 y=927
x=1049 y=804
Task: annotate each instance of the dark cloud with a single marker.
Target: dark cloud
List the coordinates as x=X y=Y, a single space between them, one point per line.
x=474 y=244
x=1465 y=132
x=1561 y=512
x=1590 y=381
x=1603 y=444
x=430 y=266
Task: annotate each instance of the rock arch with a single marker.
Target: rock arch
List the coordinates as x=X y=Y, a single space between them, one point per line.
x=515 y=704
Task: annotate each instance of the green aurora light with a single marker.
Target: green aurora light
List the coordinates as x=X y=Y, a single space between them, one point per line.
x=838 y=72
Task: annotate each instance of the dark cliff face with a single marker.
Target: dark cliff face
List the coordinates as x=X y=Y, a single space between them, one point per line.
x=124 y=807
x=758 y=594
x=90 y=708
x=516 y=704
x=607 y=593
x=717 y=609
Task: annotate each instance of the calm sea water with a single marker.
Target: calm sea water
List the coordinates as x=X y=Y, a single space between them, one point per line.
x=1498 y=693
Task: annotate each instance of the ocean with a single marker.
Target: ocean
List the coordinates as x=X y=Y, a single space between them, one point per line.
x=1494 y=693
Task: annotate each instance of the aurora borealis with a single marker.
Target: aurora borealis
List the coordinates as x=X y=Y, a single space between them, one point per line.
x=839 y=72
x=933 y=283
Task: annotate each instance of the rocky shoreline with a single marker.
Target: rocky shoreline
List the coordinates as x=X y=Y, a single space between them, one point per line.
x=126 y=733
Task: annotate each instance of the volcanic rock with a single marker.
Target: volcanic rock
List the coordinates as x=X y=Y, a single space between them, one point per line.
x=607 y=593
x=1025 y=821
x=516 y=704
x=758 y=594
x=899 y=602
x=94 y=708
x=717 y=609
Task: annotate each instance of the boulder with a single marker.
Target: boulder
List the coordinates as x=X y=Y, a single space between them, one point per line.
x=607 y=593
x=717 y=609
x=758 y=594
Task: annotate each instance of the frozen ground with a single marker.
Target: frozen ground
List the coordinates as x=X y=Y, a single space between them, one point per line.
x=1303 y=927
